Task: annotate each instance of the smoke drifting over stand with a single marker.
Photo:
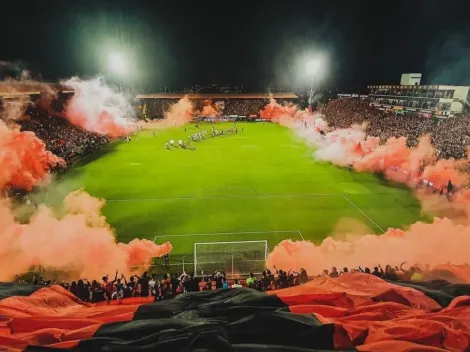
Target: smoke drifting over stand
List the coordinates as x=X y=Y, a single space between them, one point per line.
x=24 y=160
x=78 y=242
x=421 y=243
x=97 y=108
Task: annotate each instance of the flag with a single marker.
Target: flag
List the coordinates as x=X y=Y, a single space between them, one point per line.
x=353 y=312
x=358 y=148
x=450 y=187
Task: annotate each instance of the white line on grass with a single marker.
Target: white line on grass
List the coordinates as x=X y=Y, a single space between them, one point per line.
x=224 y=197
x=231 y=233
x=367 y=217
x=246 y=190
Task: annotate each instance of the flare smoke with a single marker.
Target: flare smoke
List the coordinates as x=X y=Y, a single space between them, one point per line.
x=440 y=242
x=97 y=108
x=79 y=243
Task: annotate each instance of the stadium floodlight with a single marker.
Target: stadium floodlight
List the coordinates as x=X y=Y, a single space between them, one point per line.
x=117 y=62
x=117 y=65
x=313 y=66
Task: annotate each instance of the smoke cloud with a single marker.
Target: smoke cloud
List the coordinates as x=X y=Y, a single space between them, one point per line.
x=97 y=108
x=209 y=110
x=421 y=243
x=351 y=146
x=24 y=160
x=80 y=242
x=16 y=93
x=179 y=113
x=14 y=109
x=76 y=241
x=277 y=112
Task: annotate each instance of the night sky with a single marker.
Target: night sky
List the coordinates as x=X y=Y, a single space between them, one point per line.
x=258 y=44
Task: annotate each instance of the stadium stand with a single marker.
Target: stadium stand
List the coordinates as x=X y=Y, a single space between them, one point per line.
x=155 y=105
x=62 y=138
x=450 y=136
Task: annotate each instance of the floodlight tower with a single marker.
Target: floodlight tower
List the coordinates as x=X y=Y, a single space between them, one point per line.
x=313 y=66
x=117 y=65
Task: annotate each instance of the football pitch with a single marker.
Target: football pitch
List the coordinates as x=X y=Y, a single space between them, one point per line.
x=259 y=184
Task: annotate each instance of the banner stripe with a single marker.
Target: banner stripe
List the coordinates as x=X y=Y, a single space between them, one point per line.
x=353 y=311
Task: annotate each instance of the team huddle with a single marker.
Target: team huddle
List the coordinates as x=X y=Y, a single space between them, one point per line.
x=200 y=136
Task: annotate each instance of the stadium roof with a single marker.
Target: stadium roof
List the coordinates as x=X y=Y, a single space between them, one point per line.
x=17 y=89
x=219 y=96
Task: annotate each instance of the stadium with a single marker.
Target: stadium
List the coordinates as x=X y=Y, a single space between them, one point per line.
x=217 y=217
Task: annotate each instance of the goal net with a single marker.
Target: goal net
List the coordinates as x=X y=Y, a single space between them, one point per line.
x=235 y=258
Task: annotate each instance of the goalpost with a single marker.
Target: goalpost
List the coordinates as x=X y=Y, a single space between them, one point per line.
x=235 y=258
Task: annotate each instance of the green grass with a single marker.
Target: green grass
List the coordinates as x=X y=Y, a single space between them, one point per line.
x=262 y=179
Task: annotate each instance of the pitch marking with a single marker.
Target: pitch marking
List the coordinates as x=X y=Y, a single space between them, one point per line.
x=227 y=197
x=365 y=215
x=231 y=233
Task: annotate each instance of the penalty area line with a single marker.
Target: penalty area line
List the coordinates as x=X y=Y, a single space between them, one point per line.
x=232 y=233
x=365 y=215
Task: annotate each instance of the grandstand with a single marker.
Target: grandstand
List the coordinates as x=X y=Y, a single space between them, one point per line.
x=18 y=89
x=436 y=100
x=243 y=105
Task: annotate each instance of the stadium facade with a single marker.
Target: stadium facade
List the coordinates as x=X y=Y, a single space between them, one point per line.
x=430 y=100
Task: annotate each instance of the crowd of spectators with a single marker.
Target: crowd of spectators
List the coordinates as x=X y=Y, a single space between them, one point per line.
x=156 y=108
x=244 y=107
x=449 y=136
x=62 y=138
x=414 y=273
x=168 y=286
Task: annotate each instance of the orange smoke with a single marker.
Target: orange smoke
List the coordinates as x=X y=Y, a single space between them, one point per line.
x=179 y=113
x=97 y=108
x=140 y=252
x=351 y=146
x=437 y=243
x=18 y=91
x=24 y=160
x=446 y=240
x=80 y=242
x=208 y=109
x=393 y=158
x=275 y=111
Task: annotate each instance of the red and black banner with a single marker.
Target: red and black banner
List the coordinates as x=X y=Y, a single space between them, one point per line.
x=352 y=312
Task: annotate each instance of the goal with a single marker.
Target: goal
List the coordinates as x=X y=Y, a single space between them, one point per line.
x=235 y=258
